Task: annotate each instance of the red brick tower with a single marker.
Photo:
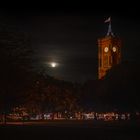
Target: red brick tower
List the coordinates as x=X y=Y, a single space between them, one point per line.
x=109 y=52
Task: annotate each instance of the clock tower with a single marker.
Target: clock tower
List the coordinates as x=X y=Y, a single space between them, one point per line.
x=109 y=52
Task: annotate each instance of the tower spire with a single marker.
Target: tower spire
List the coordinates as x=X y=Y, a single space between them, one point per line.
x=109 y=32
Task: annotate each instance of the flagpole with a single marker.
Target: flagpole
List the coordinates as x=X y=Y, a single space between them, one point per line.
x=109 y=29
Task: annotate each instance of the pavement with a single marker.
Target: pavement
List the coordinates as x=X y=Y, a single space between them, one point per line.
x=70 y=130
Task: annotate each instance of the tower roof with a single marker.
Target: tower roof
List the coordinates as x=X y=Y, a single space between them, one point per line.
x=109 y=32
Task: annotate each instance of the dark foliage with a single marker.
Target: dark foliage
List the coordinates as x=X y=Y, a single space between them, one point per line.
x=120 y=88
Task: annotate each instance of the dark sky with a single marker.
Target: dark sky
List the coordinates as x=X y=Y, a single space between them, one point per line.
x=69 y=37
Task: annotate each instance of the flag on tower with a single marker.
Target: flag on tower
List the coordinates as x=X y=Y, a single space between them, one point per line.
x=108 y=20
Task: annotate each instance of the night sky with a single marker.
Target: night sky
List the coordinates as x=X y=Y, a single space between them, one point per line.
x=69 y=38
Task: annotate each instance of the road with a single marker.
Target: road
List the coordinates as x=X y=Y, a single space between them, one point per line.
x=70 y=130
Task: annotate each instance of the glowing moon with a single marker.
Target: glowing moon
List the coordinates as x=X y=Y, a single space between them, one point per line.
x=53 y=64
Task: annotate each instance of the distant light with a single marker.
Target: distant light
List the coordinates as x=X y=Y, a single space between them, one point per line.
x=53 y=64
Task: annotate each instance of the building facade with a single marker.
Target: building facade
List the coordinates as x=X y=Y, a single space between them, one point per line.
x=109 y=52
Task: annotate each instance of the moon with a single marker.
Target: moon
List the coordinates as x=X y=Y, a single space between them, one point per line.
x=53 y=64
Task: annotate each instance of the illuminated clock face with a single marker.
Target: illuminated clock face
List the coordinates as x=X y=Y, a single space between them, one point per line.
x=106 y=49
x=114 y=49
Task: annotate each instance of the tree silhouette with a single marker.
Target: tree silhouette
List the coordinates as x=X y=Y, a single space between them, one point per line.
x=15 y=57
x=120 y=87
